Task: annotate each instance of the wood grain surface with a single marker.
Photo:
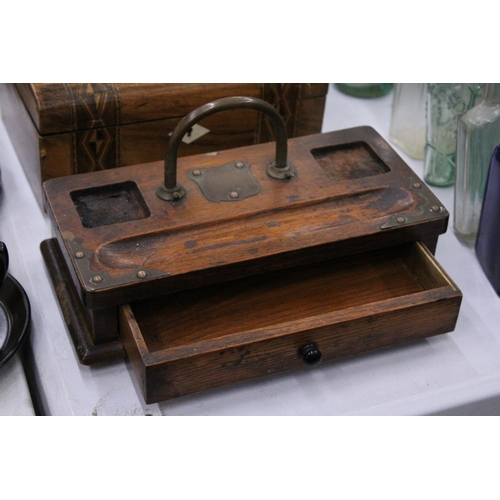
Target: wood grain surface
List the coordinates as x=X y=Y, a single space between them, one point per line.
x=196 y=241
x=229 y=333
x=61 y=129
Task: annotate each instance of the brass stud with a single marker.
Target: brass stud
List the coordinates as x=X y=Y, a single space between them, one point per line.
x=435 y=208
x=196 y=172
x=97 y=279
x=233 y=194
x=400 y=220
x=416 y=185
x=239 y=164
x=142 y=274
x=79 y=254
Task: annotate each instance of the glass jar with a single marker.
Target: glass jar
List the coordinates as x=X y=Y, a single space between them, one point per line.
x=366 y=90
x=408 y=118
x=445 y=103
x=478 y=134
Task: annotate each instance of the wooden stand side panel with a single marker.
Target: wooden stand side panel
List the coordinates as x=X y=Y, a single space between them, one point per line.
x=56 y=152
x=83 y=324
x=309 y=117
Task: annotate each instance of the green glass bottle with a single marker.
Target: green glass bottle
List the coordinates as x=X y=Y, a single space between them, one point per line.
x=478 y=134
x=445 y=103
x=366 y=90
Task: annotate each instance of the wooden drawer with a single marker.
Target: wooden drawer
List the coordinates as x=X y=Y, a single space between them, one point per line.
x=222 y=334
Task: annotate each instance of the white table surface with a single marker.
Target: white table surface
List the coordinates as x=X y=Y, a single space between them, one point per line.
x=15 y=397
x=456 y=373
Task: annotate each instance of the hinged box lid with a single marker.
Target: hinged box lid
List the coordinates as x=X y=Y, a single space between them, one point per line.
x=67 y=107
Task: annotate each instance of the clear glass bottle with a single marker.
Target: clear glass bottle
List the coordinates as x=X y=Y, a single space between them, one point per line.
x=445 y=103
x=408 y=118
x=478 y=134
x=366 y=90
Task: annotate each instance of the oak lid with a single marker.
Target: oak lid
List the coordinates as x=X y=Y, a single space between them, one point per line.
x=66 y=107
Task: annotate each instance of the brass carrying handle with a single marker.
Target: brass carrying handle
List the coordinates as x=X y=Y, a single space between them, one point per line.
x=170 y=190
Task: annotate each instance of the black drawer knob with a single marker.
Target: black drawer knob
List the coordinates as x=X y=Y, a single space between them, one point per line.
x=310 y=354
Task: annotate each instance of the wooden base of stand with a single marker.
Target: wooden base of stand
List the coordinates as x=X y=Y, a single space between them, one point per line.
x=74 y=312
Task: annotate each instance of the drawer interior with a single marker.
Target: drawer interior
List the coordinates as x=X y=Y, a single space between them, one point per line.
x=240 y=330
x=265 y=301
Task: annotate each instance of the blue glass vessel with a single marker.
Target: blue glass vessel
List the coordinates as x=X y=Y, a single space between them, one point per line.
x=488 y=237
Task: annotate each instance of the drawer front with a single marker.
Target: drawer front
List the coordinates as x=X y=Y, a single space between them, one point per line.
x=185 y=370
